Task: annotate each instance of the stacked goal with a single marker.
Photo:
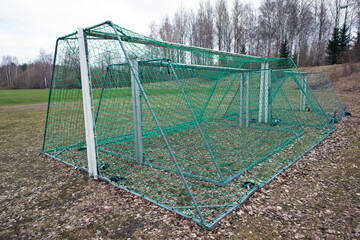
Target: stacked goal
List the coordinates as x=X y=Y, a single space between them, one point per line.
x=193 y=130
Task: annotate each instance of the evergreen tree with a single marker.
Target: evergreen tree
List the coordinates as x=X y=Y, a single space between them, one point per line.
x=334 y=48
x=284 y=49
x=243 y=49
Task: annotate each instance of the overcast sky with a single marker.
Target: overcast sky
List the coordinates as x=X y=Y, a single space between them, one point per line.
x=26 y=26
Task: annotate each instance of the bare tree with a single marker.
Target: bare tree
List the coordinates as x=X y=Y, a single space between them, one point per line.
x=323 y=25
x=45 y=60
x=201 y=29
x=194 y=29
x=10 y=64
x=180 y=31
x=228 y=32
x=181 y=25
x=209 y=25
x=267 y=23
x=306 y=24
x=292 y=21
x=166 y=30
x=305 y=30
x=154 y=32
x=221 y=22
x=238 y=25
x=280 y=33
x=250 y=33
x=204 y=24
x=335 y=12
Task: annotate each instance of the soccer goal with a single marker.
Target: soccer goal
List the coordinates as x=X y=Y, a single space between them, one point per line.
x=193 y=130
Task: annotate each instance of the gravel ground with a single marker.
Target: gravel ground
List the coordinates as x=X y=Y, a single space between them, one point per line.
x=318 y=197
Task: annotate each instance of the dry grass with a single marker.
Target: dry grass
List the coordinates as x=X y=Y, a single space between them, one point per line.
x=318 y=197
x=343 y=77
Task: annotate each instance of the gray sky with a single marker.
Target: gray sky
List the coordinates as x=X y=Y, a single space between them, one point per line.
x=26 y=26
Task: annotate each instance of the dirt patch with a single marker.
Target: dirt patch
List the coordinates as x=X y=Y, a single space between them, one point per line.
x=33 y=107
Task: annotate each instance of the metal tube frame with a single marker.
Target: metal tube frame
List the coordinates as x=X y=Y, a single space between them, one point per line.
x=50 y=91
x=88 y=106
x=247 y=117
x=241 y=99
x=137 y=111
x=267 y=84
x=261 y=94
x=302 y=93
x=264 y=96
x=192 y=197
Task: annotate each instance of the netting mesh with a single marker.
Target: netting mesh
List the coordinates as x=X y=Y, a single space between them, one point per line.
x=320 y=86
x=191 y=129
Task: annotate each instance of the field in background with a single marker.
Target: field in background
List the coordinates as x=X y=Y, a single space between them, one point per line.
x=316 y=198
x=23 y=96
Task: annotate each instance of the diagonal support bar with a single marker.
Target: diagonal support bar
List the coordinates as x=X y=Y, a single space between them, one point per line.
x=223 y=97
x=231 y=102
x=209 y=98
x=197 y=123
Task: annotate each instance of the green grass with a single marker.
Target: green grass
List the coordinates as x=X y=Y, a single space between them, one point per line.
x=23 y=96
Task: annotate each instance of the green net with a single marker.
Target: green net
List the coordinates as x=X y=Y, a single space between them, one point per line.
x=193 y=130
x=320 y=86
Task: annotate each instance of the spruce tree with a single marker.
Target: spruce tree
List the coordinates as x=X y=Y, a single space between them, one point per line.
x=243 y=49
x=284 y=49
x=334 y=48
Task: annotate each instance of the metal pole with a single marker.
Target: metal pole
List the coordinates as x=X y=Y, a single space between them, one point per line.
x=304 y=87
x=197 y=123
x=303 y=91
x=88 y=108
x=247 y=99
x=137 y=113
x=301 y=95
x=266 y=94
x=241 y=99
x=269 y=99
x=261 y=94
x=52 y=87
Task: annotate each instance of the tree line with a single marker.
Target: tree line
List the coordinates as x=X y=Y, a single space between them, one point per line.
x=312 y=32
x=34 y=74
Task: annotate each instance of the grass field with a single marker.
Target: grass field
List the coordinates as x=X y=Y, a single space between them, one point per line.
x=316 y=198
x=23 y=96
